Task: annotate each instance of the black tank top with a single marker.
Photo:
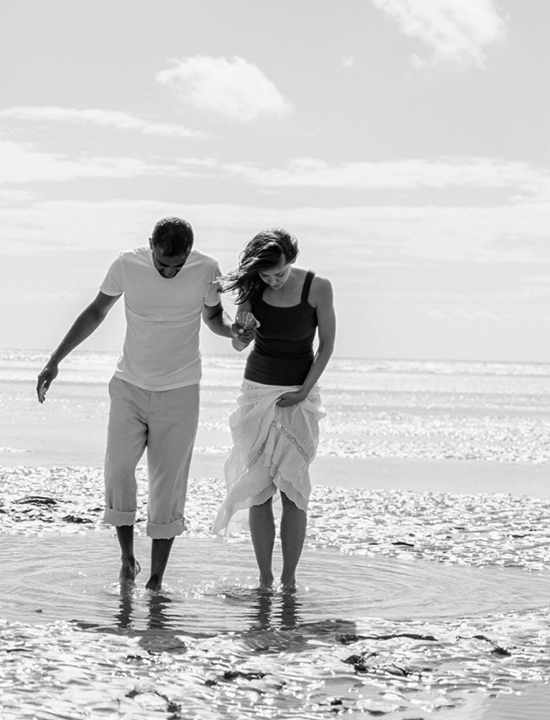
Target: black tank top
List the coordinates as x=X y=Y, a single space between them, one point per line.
x=283 y=347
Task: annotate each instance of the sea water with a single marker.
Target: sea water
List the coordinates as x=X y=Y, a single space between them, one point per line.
x=408 y=605
x=210 y=587
x=376 y=409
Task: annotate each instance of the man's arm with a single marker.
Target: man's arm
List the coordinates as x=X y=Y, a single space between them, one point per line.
x=220 y=323
x=217 y=320
x=84 y=325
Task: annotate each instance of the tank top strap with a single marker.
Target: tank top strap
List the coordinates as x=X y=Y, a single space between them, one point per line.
x=306 y=286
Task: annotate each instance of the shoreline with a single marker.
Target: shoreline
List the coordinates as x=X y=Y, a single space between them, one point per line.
x=456 y=477
x=481 y=529
x=412 y=542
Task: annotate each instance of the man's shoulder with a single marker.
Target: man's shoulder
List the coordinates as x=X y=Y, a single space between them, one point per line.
x=137 y=257
x=132 y=254
x=135 y=253
x=201 y=259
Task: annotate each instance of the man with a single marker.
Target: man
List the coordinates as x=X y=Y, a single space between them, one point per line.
x=154 y=392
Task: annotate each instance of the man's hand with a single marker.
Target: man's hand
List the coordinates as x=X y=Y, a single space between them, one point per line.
x=291 y=398
x=45 y=379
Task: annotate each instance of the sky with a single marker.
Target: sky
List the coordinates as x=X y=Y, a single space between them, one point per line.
x=405 y=143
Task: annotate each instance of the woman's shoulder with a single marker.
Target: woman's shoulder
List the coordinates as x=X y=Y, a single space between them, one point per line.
x=320 y=291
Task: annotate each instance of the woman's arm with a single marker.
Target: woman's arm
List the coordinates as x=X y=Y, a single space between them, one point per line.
x=322 y=297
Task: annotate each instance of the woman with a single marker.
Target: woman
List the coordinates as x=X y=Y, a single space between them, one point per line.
x=275 y=427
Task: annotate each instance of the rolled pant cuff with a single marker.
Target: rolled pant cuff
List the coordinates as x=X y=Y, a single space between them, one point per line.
x=167 y=531
x=115 y=517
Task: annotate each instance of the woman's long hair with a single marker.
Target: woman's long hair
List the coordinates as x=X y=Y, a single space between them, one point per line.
x=266 y=250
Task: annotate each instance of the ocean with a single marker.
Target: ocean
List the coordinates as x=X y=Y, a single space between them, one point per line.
x=423 y=589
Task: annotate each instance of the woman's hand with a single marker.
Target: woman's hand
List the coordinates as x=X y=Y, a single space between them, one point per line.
x=241 y=335
x=243 y=329
x=291 y=398
x=246 y=320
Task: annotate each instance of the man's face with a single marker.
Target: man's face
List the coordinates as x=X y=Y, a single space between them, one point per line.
x=168 y=266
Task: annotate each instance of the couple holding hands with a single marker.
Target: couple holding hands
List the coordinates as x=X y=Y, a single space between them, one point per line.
x=168 y=286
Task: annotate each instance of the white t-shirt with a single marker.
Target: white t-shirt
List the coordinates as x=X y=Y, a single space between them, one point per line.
x=163 y=316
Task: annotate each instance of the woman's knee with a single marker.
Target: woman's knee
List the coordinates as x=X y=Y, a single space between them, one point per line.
x=287 y=502
x=290 y=509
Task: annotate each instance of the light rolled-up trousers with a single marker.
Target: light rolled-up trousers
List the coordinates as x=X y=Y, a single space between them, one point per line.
x=165 y=423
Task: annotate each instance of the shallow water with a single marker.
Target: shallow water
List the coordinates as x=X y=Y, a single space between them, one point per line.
x=409 y=605
x=209 y=588
x=496 y=412
x=366 y=635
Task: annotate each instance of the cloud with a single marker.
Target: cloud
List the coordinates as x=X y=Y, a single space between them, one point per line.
x=340 y=237
x=487 y=315
x=478 y=315
x=456 y=31
x=536 y=286
x=405 y=174
x=21 y=163
x=348 y=61
x=103 y=118
x=13 y=197
x=234 y=88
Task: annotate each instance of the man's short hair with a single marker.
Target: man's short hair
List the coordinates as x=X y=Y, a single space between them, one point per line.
x=172 y=236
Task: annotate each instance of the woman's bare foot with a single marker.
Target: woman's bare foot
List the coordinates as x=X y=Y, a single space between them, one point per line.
x=288 y=584
x=266 y=582
x=154 y=583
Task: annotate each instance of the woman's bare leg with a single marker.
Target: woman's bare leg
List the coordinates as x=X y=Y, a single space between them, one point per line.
x=262 y=530
x=293 y=533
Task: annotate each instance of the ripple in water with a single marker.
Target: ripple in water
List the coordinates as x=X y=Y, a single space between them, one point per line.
x=373 y=636
x=210 y=587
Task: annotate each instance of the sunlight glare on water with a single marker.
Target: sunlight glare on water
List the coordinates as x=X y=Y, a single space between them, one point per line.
x=209 y=586
x=356 y=628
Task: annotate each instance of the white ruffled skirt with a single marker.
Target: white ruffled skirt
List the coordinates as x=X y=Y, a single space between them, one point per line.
x=272 y=449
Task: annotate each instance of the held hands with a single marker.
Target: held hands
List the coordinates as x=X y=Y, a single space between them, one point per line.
x=45 y=379
x=244 y=326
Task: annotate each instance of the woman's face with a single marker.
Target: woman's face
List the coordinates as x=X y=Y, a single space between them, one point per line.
x=277 y=275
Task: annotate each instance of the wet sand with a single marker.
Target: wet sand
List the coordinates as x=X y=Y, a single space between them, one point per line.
x=453 y=657
x=415 y=474
x=423 y=590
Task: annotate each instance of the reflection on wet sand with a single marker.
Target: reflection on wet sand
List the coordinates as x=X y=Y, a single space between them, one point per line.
x=374 y=627
x=275 y=610
x=124 y=615
x=264 y=609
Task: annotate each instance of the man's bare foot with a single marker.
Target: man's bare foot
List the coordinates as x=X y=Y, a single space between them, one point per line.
x=154 y=583
x=129 y=570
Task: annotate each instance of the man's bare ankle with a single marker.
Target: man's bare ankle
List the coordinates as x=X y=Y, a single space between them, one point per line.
x=129 y=569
